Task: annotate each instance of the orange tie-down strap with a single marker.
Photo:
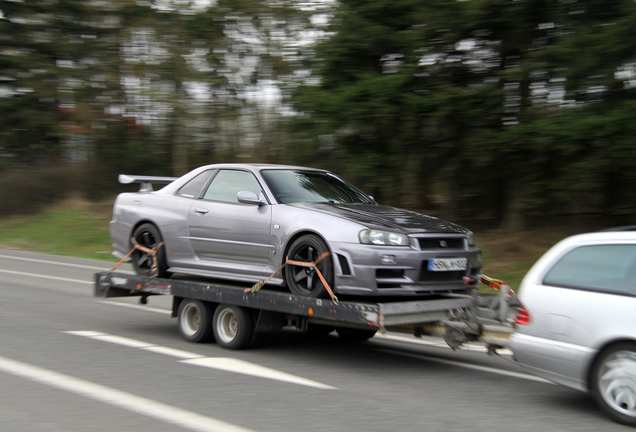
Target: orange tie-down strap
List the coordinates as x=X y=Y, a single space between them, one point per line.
x=260 y=284
x=151 y=252
x=496 y=284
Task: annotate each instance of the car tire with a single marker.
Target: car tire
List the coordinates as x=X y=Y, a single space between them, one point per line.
x=355 y=335
x=613 y=383
x=233 y=327
x=304 y=281
x=195 y=320
x=148 y=235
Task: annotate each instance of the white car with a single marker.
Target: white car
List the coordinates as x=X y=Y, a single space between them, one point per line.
x=577 y=323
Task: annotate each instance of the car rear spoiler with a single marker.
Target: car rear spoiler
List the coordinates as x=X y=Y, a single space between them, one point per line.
x=146 y=181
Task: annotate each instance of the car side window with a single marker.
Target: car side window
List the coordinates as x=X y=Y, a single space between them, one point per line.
x=228 y=183
x=193 y=188
x=605 y=268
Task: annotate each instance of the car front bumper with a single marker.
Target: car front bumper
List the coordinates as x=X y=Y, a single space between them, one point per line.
x=394 y=271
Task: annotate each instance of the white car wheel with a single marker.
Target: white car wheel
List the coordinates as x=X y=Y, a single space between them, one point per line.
x=614 y=383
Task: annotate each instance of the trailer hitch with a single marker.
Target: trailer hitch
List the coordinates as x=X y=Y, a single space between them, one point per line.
x=457 y=333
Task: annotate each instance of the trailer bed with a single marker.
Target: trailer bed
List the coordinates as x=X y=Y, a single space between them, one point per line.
x=269 y=310
x=111 y=284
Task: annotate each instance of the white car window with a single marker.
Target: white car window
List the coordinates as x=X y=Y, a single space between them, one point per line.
x=228 y=183
x=606 y=268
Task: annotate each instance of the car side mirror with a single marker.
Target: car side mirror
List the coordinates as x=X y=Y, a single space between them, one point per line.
x=249 y=197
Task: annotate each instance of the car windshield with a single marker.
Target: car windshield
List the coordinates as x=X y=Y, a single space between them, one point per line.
x=298 y=186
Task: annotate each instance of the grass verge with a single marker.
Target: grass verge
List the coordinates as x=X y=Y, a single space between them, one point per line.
x=509 y=256
x=72 y=228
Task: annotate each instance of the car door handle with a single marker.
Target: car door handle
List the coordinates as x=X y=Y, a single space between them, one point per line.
x=201 y=210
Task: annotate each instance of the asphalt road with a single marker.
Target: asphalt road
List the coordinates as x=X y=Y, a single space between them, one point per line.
x=71 y=362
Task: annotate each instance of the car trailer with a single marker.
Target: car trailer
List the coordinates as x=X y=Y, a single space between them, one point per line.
x=234 y=316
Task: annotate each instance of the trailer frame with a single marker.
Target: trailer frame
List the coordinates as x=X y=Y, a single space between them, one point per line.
x=226 y=311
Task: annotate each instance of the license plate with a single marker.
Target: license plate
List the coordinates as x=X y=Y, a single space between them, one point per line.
x=447 y=264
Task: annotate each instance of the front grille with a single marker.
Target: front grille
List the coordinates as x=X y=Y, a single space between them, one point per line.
x=389 y=274
x=450 y=276
x=388 y=285
x=441 y=243
x=389 y=278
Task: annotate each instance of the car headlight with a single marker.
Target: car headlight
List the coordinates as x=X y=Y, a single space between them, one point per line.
x=383 y=238
x=471 y=238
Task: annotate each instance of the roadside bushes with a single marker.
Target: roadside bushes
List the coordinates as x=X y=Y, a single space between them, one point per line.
x=27 y=190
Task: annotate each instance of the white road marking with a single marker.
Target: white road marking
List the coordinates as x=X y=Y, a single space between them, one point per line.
x=172 y=352
x=118 y=340
x=468 y=366
x=440 y=344
x=133 y=343
x=247 y=368
x=46 y=277
x=220 y=363
x=55 y=263
x=134 y=306
x=87 y=333
x=140 y=405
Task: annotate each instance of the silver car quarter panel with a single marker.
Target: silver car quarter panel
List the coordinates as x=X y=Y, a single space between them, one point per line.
x=580 y=317
x=168 y=213
x=125 y=213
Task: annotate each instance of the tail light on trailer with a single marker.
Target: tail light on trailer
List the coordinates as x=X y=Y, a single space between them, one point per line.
x=523 y=316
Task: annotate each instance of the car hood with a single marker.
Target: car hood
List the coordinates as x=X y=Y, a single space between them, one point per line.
x=384 y=217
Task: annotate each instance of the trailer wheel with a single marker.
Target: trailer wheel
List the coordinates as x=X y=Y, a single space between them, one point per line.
x=149 y=236
x=233 y=327
x=355 y=335
x=613 y=383
x=194 y=320
x=304 y=281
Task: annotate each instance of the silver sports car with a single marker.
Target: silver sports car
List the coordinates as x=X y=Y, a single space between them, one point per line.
x=242 y=221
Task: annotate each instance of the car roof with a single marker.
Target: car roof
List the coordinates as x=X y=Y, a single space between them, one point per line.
x=620 y=228
x=613 y=235
x=259 y=166
x=253 y=167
